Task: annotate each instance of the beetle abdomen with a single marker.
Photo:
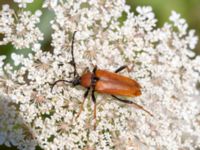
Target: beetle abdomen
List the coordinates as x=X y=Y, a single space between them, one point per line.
x=115 y=84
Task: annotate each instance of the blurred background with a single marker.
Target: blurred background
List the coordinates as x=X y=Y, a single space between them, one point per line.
x=189 y=9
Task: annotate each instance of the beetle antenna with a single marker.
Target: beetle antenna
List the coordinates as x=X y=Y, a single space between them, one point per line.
x=52 y=85
x=72 y=62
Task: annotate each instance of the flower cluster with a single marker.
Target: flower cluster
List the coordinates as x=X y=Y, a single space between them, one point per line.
x=162 y=61
x=20 y=29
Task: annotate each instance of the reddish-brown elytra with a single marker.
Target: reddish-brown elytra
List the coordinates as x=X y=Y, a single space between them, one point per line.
x=104 y=82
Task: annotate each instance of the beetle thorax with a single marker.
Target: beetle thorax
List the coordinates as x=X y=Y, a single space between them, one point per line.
x=86 y=79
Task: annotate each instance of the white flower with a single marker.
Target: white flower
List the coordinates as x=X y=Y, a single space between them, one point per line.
x=18 y=59
x=161 y=62
x=23 y=3
x=50 y=3
x=180 y=23
x=22 y=33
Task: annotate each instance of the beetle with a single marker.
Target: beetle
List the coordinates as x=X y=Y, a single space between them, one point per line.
x=105 y=82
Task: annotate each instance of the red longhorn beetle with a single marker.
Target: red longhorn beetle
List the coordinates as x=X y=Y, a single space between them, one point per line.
x=104 y=82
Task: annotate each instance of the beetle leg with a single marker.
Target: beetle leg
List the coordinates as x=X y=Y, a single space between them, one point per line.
x=132 y=103
x=81 y=106
x=94 y=70
x=122 y=68
x=94 y=101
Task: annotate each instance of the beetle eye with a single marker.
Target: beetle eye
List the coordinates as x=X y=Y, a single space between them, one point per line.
x=76 y=81
x=96 y=78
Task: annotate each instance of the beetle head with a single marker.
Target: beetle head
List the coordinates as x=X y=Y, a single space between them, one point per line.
x=76 y=81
